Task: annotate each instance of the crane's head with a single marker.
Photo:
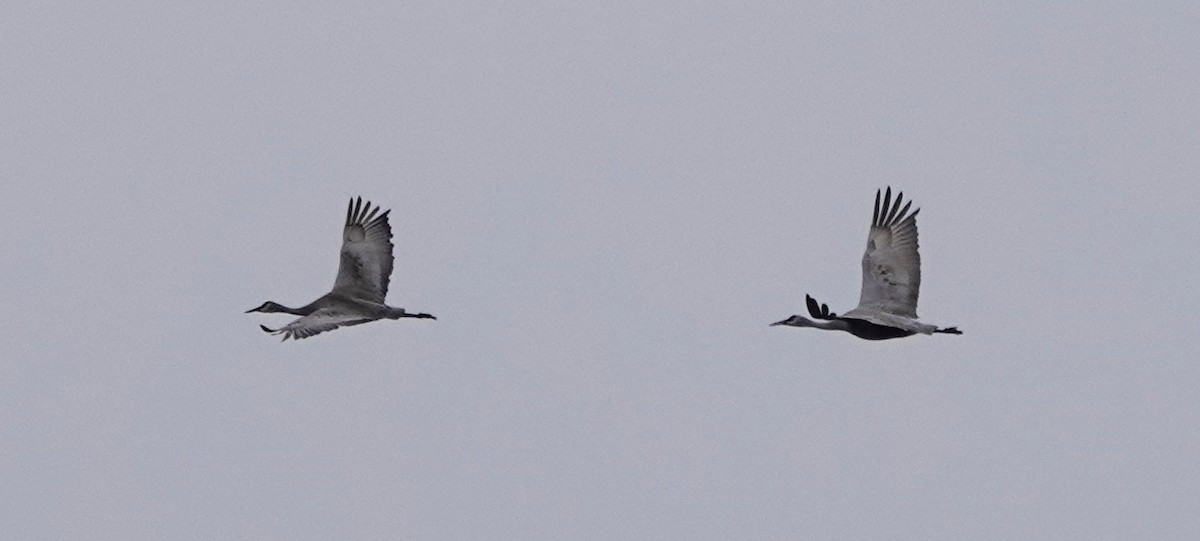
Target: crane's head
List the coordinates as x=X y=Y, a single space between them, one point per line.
x=267 y=307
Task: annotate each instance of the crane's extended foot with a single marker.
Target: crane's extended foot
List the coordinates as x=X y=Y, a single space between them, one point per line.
x=949 y=330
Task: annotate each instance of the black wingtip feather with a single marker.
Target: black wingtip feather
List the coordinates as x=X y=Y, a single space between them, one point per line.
x=895 y=207
x=903 y=211
x=363 y=213
x=875 y=215
x=353 y=216
x=813 y=310
x=887 y=212
x=883 y=209
x=818 y=310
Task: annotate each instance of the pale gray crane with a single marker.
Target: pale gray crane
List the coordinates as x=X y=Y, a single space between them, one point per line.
x=891 y=281
x=362 y=280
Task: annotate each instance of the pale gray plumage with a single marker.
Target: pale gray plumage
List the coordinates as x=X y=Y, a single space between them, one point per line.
x=891 y=265
x=891 y=281
x=366 y=261
x=362 y=281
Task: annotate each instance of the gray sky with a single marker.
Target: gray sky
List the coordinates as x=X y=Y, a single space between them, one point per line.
x=605 y=204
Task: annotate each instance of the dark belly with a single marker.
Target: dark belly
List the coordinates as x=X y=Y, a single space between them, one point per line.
x=870 y=331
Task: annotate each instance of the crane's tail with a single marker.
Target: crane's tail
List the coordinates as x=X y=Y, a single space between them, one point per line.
x=398 y=313
x=949 y=330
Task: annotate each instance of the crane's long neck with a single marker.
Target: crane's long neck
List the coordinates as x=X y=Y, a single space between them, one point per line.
x=833 y=325
x=801 y=321
x=301 y=311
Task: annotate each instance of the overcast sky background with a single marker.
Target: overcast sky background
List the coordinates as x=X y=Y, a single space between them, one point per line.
x=605 y=204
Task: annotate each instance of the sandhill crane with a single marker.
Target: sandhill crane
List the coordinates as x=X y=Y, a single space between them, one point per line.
x=891 y=280
x=362 y=280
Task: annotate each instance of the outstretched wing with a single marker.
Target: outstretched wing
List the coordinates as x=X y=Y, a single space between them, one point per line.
x=325 y=319
x=366 y=266
x=891 y=265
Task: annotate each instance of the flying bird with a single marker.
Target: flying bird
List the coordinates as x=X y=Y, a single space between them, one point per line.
x=362 y=280
x=891 y=281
